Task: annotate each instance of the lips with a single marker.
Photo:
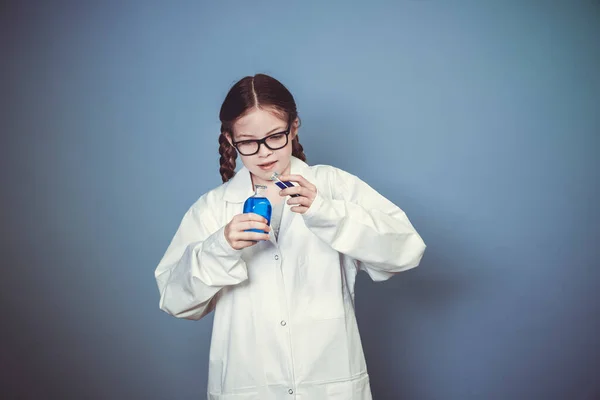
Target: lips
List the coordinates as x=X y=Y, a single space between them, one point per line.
x=267 y=166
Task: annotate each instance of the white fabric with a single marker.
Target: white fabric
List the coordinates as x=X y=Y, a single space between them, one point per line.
x=284 y=323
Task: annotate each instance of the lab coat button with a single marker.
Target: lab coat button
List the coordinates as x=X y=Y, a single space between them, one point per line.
x=290 y=391
x=276 y=257
x=283 y=323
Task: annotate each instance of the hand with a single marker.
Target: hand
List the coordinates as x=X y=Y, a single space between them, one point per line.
x=237 y=238
x=306 y=191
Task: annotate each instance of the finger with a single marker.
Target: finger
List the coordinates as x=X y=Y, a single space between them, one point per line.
x=253 y=236
x=299 y=209
x=300 y=180
x=242 y=226
x=248 y=236
x=300 y=190
x=242 y=244
x=252 y=217
x=299 y=201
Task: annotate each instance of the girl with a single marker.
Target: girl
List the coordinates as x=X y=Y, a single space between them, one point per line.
x=284 y=323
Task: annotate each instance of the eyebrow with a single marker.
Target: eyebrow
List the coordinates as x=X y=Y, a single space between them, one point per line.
x=278 y=129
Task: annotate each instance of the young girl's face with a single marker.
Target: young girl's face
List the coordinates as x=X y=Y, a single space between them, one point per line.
x=268 y=125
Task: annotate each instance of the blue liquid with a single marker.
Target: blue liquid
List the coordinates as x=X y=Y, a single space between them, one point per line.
x=260 y=206
x=284 y=185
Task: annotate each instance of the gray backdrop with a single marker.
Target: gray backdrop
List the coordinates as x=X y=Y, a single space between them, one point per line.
x=480 y=120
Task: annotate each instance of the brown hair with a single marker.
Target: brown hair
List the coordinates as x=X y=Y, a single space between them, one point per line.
x=252 y=92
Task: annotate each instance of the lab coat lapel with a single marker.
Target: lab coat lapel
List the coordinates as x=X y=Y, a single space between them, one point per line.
x=298 y=167
x=239 y=188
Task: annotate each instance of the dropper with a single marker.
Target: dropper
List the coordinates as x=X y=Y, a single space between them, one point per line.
x=281 y=184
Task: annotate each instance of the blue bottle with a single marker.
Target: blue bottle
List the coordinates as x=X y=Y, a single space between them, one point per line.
x=258 y=204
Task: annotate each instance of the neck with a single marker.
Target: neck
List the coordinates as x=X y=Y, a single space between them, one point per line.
x=272 y=191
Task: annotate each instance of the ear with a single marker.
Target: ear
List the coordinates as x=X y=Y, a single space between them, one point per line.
x=294 y=128
x=228 y=137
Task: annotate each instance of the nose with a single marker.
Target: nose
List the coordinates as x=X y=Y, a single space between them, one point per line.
x=264 y=151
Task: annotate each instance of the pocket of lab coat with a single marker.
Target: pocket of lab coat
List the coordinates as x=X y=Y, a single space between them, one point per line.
x=234 y=396
x=232 y=384
x=356 y=388
x=322 y=288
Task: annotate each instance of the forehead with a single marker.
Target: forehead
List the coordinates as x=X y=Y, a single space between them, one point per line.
x=258 y=123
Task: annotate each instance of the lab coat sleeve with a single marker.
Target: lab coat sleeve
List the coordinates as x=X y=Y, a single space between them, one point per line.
x=198 y=263
x=359 y=222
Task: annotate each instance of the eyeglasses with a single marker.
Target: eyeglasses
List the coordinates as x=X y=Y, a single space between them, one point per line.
x=274 y=141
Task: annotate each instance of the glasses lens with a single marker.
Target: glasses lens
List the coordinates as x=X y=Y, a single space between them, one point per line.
x=247 y=148
x=277 y=141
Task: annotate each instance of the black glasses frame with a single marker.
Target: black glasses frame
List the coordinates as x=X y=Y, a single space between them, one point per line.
x=263 y=141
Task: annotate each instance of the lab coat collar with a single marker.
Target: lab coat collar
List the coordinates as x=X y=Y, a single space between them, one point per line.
x=239 y=188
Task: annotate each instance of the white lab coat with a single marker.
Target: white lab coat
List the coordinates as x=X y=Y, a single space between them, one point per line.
x=284 y=323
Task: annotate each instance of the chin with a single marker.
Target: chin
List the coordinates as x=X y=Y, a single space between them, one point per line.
x=262 y=175
x=265 y=174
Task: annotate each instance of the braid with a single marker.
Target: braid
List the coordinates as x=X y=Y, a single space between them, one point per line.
x=297 y=149
x=227 y=160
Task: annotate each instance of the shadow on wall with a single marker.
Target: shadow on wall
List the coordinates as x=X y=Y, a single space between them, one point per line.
x=398 y=319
